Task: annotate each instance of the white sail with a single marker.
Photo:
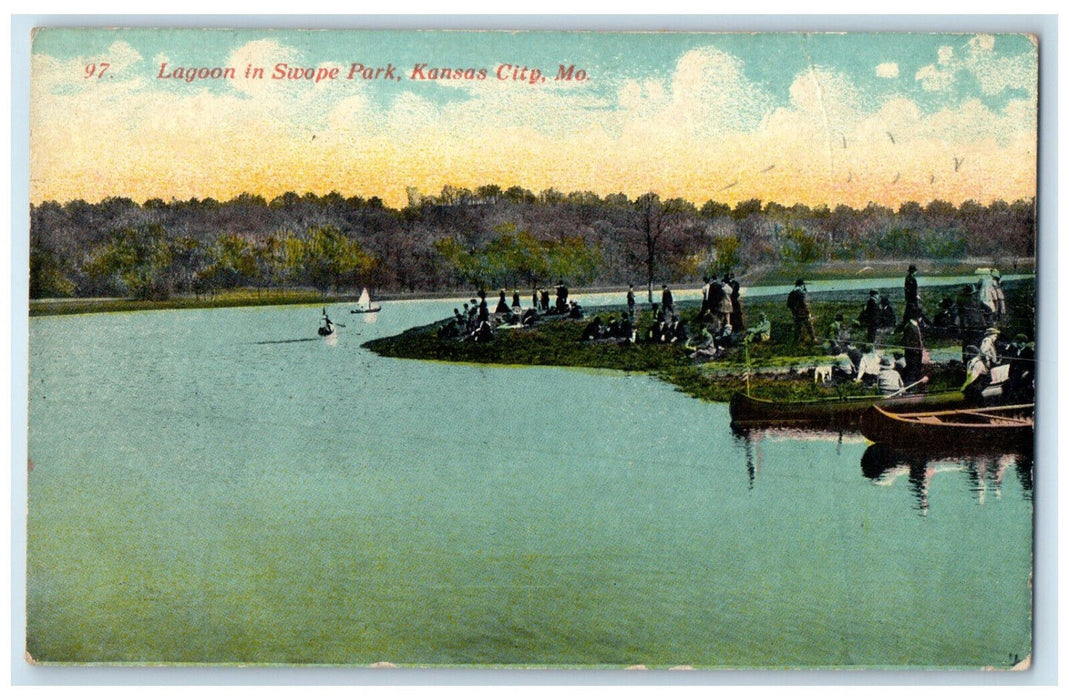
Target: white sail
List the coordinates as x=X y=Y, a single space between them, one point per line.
x=364 y=303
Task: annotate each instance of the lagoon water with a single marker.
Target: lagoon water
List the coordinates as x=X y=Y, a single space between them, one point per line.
x=223 y=486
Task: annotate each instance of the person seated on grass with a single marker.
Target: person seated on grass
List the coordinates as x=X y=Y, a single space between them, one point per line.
x=627 y=330
x=838 y=336
x=530 y=316
x=612 y=328
x=725 y=337
x=868 y=365
x=593 y=330
x=677 y=332
x=889 y=381
x=760 y=332
x=842 y=368
x=574 y=310
x=484 y=333
x=704 y=346
x=657 y=331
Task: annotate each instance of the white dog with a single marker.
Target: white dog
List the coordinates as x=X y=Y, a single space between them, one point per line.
x=821 y=374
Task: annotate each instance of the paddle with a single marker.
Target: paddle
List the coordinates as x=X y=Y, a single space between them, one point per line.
x=922 y=380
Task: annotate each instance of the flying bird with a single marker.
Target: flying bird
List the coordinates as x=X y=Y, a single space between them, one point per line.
x=957 y=163
x=891 y=136
x=844 y=141
x=932 y=181
x=728 y=187
x=769 y=168
x=850 y=176
x=897 y=175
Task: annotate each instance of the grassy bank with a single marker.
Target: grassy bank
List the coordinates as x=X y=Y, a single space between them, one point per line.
x=238 y=297
x=782 y=368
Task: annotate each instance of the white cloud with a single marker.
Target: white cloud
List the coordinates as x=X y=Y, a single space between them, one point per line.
x=887 y=70
x=994 y=74
x=934 y=79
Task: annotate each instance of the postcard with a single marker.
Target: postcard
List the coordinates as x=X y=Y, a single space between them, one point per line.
x=532 y=349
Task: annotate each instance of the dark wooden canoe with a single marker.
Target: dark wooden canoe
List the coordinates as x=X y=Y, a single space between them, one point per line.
x=748 y=412
x=1002 y=427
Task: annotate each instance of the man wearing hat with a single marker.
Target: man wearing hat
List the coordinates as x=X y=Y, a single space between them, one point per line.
x=889 y=380
x=870 y=315
x=913 y=298
x=803 y=319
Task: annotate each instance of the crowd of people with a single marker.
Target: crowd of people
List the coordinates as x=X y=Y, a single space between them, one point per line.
x=876 y=347
x=899 y=364
x=476 y=323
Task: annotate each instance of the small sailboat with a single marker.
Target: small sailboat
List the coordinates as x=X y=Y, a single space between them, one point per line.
x=363 y=304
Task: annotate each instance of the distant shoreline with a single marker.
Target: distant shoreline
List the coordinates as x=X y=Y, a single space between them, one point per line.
x=279 y=297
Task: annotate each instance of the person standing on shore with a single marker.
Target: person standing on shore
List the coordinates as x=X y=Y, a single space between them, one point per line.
x=631 y=301
x=736 y=305
x=562 y=297
x=913 y=298
x=914 y=350
x=717 y=296
x=803 y=319
x=723 y=312
x=869 y=318
x=667 y=302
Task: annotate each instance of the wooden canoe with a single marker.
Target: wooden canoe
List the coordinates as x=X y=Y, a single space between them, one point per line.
x=1000 y=427
x=748 y=412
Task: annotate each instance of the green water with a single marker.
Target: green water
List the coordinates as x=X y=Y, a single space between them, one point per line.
x=203 y=492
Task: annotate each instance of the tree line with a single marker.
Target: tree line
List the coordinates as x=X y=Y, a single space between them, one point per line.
x=488 y=237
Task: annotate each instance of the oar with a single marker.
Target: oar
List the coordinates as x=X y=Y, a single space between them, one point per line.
x=922 y=380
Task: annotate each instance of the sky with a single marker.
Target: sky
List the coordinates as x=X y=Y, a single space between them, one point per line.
x=845 y=118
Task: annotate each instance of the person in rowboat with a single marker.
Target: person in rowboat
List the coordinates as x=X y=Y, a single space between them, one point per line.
x=988 y=348
x=977 y=375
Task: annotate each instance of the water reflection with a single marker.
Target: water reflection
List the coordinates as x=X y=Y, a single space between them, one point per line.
x=751 y=438
x=984 y=471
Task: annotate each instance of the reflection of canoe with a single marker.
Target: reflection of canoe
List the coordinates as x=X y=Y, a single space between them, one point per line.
x=324 y=331
x=967 y=428
x=748 y=412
